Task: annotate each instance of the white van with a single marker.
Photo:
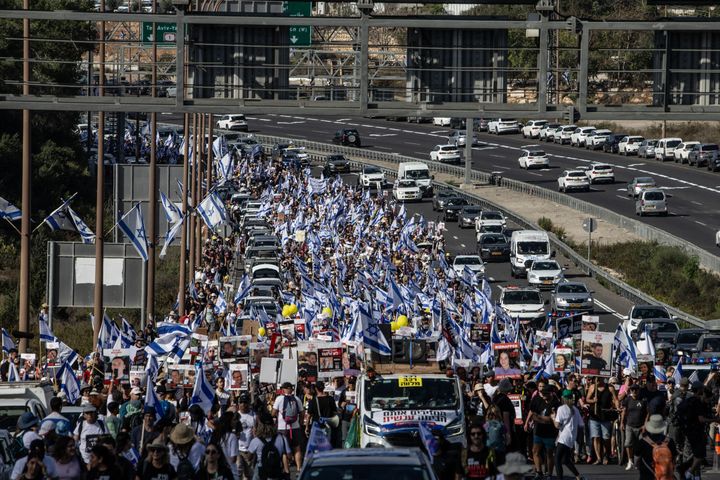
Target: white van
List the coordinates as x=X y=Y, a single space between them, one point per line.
x=665 y=148
x=390 y=409
x=527 y=246
x=419 y=172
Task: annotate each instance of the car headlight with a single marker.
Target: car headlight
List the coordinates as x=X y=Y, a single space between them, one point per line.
x=590 y=300
x=372 y=428
x=448 y=211
x=485 y=250
x=455 y=428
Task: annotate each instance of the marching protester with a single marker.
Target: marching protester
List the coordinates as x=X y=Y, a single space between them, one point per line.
x=302 y=282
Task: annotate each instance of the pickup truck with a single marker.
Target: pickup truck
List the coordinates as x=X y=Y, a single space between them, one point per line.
x=18 y=398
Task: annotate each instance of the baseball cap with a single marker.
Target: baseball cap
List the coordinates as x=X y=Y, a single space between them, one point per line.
x=567 y=393
x=136 y=391
x=685 y=381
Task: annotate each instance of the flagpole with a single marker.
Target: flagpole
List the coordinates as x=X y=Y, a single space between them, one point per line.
x=13 y=226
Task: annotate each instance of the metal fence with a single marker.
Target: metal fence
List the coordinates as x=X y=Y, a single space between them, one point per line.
x=361 y=157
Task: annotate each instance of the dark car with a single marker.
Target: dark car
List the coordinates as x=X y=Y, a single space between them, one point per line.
x=701 y=154
x=494 y=247
x=468 y=214
x=663 y=329
x=708 y=346
x=612 y=141
x=482 y=125
x=439 y=199
x=686 y=340
x=381 y=463
x=335 y=164
x=452 y=208
x=347 y=136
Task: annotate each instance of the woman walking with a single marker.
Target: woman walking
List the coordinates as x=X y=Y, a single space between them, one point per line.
x=567 y=420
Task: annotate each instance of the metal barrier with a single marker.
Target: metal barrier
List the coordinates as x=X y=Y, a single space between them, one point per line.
x=318 y=150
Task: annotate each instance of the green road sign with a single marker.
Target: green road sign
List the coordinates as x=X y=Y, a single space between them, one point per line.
x=165 y=33
x=298 y=36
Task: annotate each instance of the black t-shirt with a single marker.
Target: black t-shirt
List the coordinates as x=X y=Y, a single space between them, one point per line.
x=644 y=451
x=656 y=401
x=112 y=474
x=505 y=405
x=479 y=465
x=149 y=472
x=600 y=411
x=328 y=408
x=635 y=411
x=595 y=363
x=540 y=406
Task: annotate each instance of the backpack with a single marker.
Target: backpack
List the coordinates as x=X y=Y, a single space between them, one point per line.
x=495 y=435
x=17 y=447
x=185 y=469
x=290 y=410
x=663 y=462
x=270 y=460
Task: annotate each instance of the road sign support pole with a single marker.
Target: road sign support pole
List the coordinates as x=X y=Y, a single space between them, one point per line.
x=180 y=68
x=25 y=227
x=468 y=149
x=152 y=183
x=183 y=239
x=364 y=59
x=100 y=195
x=190 y=190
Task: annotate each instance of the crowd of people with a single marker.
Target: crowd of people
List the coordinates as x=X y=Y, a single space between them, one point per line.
x=349 y=262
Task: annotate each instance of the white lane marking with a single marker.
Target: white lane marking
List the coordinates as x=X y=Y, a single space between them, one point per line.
x=386 y=135
x=343 y=119
x=696 y=203
x=352 y=124
x=291 y=123
x=501 y=166
x=383 y=148
x=285 y=116
x=411 y=143
x=701 y=223
x=317 y=131
x=434 y=132
x=479 y=149
x=674 y=188
x=495 y=156
x=408 y=131
x=463 y=245
x=420 y=153
x=533 y=173
x=621 y=189
x=455 y=237
x=623 y=197
x=326 y=120
x=608 y=309
x=392 y=129
x=372 y=126
x=528 y=146
x=636 y=165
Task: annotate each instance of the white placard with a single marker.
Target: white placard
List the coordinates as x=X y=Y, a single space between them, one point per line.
x=112 y=271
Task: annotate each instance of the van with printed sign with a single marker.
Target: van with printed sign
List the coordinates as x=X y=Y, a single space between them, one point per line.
x=392 y=407
x=526 y=246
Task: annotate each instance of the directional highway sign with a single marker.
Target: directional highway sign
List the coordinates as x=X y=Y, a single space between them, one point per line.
x=165 y=33
x=297 y=35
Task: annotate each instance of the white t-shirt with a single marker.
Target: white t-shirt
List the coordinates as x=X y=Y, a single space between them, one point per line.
x=229 y=446
x=569 y=419
x=88 y=430
x=279 y=406
x=20 y=466
x=247 y=420
x=195 y=456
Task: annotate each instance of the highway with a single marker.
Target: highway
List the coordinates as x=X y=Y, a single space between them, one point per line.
x=694 y=215
x=462 y=241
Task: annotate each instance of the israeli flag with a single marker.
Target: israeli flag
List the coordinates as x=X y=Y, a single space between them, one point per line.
x=220 y=304
x=13 y=374
x=7 y=342
x=431 y=443
x=212 y=211
x=128 y=329
x=170 y=237
x=547 y=368
x=152 y=367
x=203 y=393
x=645 y=346
x=152 y=400
x=69 y=384
x=133 y=226
x=59 y=219
x=243 y=290
x=172 y=212
x=166 y=343
x=660 y=374
x=373 y=339
x=9 y=211
x=67 y=354
x=46 y=334
x=678 y=373
x=88 y=237
x=318 y=440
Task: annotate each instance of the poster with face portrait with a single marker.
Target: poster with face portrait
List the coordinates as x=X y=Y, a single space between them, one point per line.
x=177 y=374
x=211 y=353
x=596 y=353
x=197 y=343
x=238 y=376
x=300 y=334
x=590 y=323
x=517 y=405
x=330 y=360
x=350 y=358
x=28 y=363
x=507 y=358
x=51 y=349
x=137 y=377
x=235 y=347
x=287 y=330
x=257 y=352
x=543 y=341
x=564 y=359
x=119 y=365
x=568 y=326
x=646 y=366
x=480 y=333
x=307 y=359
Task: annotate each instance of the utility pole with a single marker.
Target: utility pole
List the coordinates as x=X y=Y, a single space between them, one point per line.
x=190 y=190
x=100 y=194
x=25 y=228
x=152 y=184
x=183 y=238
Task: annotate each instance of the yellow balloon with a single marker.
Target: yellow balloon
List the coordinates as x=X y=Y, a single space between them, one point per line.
x=286 y=311
x=402 y=321
x=261 y=331
x=393 y=326
x=293 y=309
x=327 y=311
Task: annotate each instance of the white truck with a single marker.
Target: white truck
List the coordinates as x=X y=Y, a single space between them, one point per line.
x=419 y=172
x=20 y=397
x=527 y=246
x=392 y=407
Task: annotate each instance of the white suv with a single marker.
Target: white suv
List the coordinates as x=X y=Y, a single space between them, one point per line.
x=445 y=154
x=532 y=128
x=600 y=172
x=563 y=134
x=630 y=145
x=370 y=175
x=233 y=122
x=577 y=138
x=506 y=125
x=525 y=303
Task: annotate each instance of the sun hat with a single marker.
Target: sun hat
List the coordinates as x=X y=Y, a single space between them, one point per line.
x=655 y=424
x=157 y=444
x=515 y=463
x=181 y=434
x=27 y=420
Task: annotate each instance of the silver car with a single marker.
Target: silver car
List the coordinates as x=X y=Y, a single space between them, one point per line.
x=647 y=149
x=638 y=184
x=651 y=200
x=468 y=214
x=572 y=297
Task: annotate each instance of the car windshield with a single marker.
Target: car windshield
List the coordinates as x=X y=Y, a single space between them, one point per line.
x=545 y=266
x=711 y=345
x=418 y=174
x=492 y=216
x=688 y=337
x=434 y=393
x=672 y=143
x=572 y=288
x=362 y=470
x=576 y=174
x=603 y=167
x=521 y=297
x=650 y=312
x=532 y=248
x=337 y=158
x=536 y=153
x=652 y=143
x=457 y=201
x=709 y=148
x=407 y=184
x=265 y=273
x=9 y=417
x=654 y=196
x=645 y=180
x=468 y=261
x=472 y=210
x=665 y=327
x=488 y=239
x=372 y=170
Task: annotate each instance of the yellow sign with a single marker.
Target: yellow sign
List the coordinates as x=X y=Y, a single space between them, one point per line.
x=410 y=381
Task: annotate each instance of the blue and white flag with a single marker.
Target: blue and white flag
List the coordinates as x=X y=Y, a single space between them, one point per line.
x=88 y=237
x=152 y=367
x=212 y=211
x=13 y=375
x=220 y=306
x=318 y=440
x=46 y=334
x=678 y=373
x=645 y=346
x=7 y=342
x=373 y=338
x=429 y=441
x=203 y=393
x=165 y=344
x=170 y=237
x=67 y=354
x=59 y=218
x=128 y=329
x=69 y=384
x=243 y=290
x=173 y=214
x=133 y=226
x=151 y=398
x=9 y=211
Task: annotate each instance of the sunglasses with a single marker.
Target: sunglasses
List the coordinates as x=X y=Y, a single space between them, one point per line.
x=475 y=434
x=211 y=452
